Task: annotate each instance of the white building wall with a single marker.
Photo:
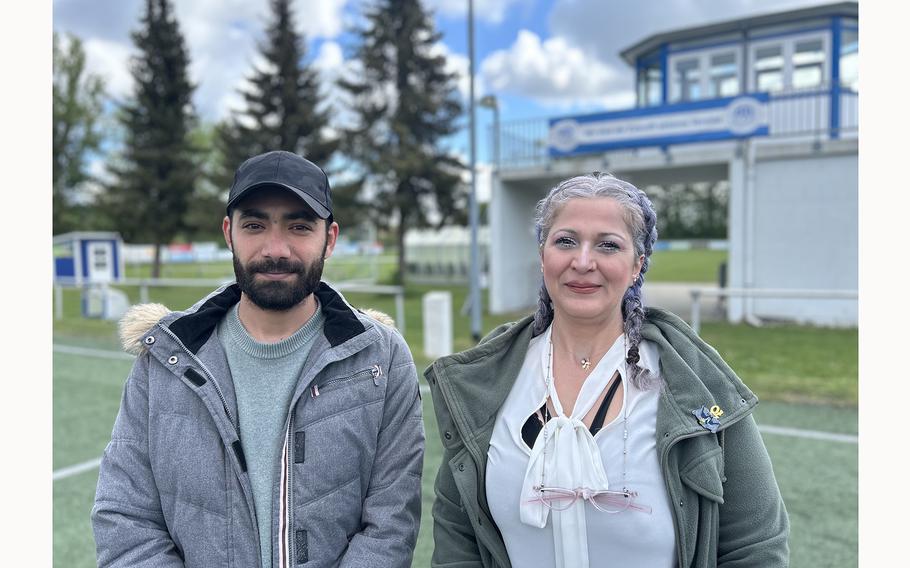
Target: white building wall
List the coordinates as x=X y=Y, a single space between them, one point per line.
x=805 y=235
x=514 y=261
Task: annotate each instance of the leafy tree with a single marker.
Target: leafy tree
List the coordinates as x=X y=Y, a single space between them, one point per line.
x=155 y=176
x=404 y=103
x=691 y=210
x=78 y=106
x=282 y=103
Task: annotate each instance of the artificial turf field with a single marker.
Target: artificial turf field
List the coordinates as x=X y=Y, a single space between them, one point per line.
x=818 y=478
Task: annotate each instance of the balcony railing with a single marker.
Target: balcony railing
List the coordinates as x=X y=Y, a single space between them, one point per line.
x=819 y=113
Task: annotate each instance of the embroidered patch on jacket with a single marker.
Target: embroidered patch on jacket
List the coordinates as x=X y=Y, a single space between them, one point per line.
x=708 y=418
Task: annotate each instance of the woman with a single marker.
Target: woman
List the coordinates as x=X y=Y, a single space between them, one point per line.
x=597 y=432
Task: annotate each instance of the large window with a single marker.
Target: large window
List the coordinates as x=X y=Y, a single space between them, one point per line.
x=706 y=75
x=723 y=76
x=849 y=59
x=799 y=62
x=808 y=63
x=686 y=80
x=769 y=68
x=650 y=84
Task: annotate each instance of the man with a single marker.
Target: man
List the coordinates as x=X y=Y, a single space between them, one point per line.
x=270 y=424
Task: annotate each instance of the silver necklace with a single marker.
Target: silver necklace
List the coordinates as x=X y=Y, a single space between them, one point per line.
x=548 y=380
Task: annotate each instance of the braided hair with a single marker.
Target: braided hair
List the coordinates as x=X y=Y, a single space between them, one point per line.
x=640 y=218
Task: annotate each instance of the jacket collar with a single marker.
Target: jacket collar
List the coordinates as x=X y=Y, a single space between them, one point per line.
x=476 y=382
x=194 y=326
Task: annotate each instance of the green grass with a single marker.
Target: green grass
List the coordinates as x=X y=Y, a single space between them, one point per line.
x=337 y=269
x=790 y=362
x=805 y=377
x=697 y=265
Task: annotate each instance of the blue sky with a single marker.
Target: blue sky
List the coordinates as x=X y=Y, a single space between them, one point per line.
x=539 y=57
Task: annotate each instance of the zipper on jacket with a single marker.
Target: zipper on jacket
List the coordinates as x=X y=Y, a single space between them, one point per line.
x=285 y=562
x=375 y=372
x=207 y=372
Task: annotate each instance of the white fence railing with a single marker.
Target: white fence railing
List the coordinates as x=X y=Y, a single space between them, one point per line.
x=145 y=283
x=774 y=293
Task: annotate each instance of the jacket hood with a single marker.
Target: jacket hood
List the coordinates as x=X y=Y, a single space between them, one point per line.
x=194 y=325
x=136 y=322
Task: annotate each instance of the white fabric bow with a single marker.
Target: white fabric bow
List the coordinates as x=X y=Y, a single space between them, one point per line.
x=569 y=459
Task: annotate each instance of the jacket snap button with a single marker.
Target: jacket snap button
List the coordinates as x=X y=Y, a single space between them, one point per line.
x=448 y=435
x=149 y=340
x=172 y=360
x=461 y=467
x=680 y=503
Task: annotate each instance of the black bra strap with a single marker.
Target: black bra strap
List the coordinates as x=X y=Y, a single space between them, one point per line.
x=532 y=426
x=598 y=421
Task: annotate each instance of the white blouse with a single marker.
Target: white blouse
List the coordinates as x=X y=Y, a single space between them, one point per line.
x=629 y=538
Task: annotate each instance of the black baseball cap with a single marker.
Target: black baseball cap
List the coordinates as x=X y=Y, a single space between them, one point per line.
x=283 y=169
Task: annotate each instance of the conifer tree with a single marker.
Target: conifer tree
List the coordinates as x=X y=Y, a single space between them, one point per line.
x=283 y=110
x=78 y=97
x=404 y=104
x=155 y=176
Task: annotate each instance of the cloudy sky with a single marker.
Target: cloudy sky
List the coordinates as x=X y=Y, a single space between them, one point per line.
x=540 y=57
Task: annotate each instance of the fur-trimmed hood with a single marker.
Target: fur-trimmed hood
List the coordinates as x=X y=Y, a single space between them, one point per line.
x=139 y=318
x=136 y=322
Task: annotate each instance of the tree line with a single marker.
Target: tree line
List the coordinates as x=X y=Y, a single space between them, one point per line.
x=168 y=172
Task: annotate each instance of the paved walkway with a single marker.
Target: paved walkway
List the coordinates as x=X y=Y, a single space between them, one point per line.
x=675 y=297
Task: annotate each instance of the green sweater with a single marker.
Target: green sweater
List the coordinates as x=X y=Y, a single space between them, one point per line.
x=265 y=376
x=727 y=508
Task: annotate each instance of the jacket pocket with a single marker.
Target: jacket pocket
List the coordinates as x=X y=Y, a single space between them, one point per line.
x=704 y=475
x=375 y=373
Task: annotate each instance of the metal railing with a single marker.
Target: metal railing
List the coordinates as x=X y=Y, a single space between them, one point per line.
x=791 y=113
x=773 y=293
x=145 y=283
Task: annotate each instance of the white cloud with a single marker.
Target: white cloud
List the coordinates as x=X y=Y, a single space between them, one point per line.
x=460 y=65
x=110 y=60
x=492 y=11
x=221 y=36
x=329 y=61
x=607 y=28
x=320 y=18
x=553 y=72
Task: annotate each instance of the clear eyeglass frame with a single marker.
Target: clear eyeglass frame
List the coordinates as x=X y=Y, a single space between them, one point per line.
x=605 y=500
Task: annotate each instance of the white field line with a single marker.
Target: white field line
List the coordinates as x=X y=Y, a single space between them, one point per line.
x=103 y=353
x=424 y=389
x=810 y=434
x=72 y=470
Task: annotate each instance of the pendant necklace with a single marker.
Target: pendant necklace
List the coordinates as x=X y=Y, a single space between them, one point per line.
x=548 y=380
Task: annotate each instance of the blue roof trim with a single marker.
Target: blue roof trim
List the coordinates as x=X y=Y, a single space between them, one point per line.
x=664 y=109
x=662 y=141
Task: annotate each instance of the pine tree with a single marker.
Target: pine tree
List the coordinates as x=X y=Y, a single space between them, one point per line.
x=405 y=103
x=155 y=175
x=282 y=103
x=78 y=109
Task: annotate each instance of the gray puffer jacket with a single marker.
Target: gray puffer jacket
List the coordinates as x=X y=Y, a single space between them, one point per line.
x=173 y=489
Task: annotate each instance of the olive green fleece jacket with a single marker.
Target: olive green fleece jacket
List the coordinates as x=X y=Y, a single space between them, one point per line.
x=726 y=505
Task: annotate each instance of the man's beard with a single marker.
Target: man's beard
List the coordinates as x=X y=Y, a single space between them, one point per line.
x=279 y=295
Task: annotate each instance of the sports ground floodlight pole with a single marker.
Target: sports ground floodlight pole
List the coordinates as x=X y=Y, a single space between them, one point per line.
x=472 y=202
